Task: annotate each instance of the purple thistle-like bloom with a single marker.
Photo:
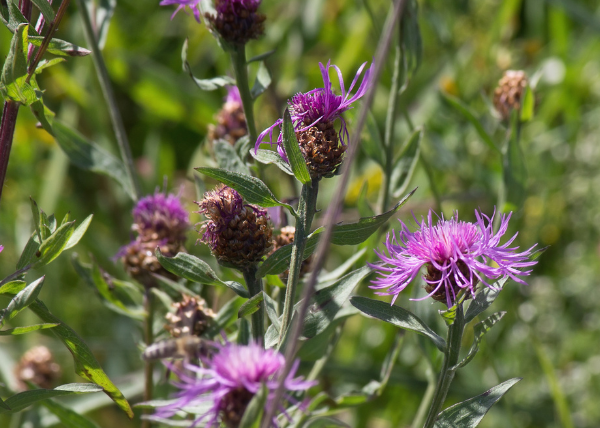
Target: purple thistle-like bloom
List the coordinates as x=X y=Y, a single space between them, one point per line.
x=229 y=380
x=160 y=210
x=456 y=254
x=321 y=105
x=223 y=6
x=181 y=4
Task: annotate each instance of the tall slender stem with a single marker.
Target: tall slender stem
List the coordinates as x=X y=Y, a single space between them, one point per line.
x=427 y=397
x=255 y=287
x=390 y=122
x=148 y=339
x=455 y=332
x=306 y=212
x=109 y=96
x=240 y=68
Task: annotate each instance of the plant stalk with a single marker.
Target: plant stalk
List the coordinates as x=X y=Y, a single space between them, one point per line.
x=306 y=212
x=454 y=339
x=109 y=96
x=255 y=287
x=148 y=339
x=240 y=68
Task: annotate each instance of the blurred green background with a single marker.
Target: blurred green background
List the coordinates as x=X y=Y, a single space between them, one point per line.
x=551 y=333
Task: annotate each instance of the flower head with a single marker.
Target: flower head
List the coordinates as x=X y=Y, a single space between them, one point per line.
x=231 y=120
x=237 y=233
x=230 y=379
x=455 y=253
x=509 y=93
x=313 y=114
x=181 y=5
x=237 y=21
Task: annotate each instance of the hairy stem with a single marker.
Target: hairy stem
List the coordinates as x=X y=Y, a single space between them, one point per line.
x=109 y=96
x=240 y=68
x=148 y=339
x=306 y=212
x=455 y=332
x=255 y=287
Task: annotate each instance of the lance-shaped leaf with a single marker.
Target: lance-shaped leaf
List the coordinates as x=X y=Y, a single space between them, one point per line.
x=328 y=301
x=279 y=261
x=261 y=57
x=3 y=405
x=44 y=64
x=405 y=164
x=23 y=330
x=479 y=331
x=253 y=190
x=60 y=47
x=25 y=399
x=55 y=244
x=270 y=156
x=469 y=413
x=12 y=287
x=89 y=156
x=192 y=268
x=397 y=316
x=262 y=82
x=483 y=300
x=86 y=364
x=228 y=158
x=252 y=305
x=23 y=299
x=226 y=316
x=356 y=233
x=13 y=85
x=104 y=13
x=514 y=169
x=12 y=17
x=292 y=150
x=69 y=418
x=204 y=84
x=79 y=232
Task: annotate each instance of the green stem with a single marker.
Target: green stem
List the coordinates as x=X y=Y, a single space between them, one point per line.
x=455 y=332
x=427 y=397
x=390 y=122
x=109 y=96
x=306 y=212
x=240 y=68
x=148 y=339
x=254 y=285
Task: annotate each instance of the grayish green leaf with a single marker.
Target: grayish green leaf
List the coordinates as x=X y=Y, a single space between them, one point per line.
x=252 y=305
x=479 y=331
x=79 y=232
x=228 y=158
x=45 y=8
x=55 y=244
x=23 y=299
x=60 y=47
x=204 y=84
x=68 y=417
x=270 y=156
x=483 y=299
x=44 y=64
x=23 y=330
x=279 y=261
x=13 y=85
x=262 y=82
x=261 y=56
x=25 y=399
x=292 y=149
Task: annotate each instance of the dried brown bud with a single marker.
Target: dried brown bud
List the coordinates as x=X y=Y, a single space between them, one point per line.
x=509 y=93
x=321 y=149
x=38 y=367
x=191 y=317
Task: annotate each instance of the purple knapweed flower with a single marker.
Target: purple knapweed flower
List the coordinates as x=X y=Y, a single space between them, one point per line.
x=455 y=253
x=194 y=6
x=231 y=120
x=313 y=114
x=160 y=212
x=229 y=380
x=237 y=21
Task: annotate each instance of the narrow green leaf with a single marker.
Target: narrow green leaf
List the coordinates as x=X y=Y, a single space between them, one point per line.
x=397 y=316
x=466 y=112
x=60 y=47
x=3 y=405
x=44 y=115
x=176 y=288
x=405 y=164
x=79 y=232
x=22 y=330
x=44 y=64
x=271 y=309
x=23 y=299
x=528 y=105
x=192 y=268
x=279 y=261
x=89 y=156
x=483 y=300
x=261 y=56
x=29 y=254
x=15 y=17
x=228 y=158
x=251 y=188
x=204 y=84
x=45 y=8
x=13 y=85
x=270 y=156
x=356 y=233
x=410 y=37
x=328 y=301
x=37 y=222
x=343 y=268
x=470 y=412
x=244 y=334
x=254 y=412
x=479 y=331
x=226 y=316
x=86 y=364
x=292 y=149
x=68 y=417
x=252 y=305
x=12 y=287
x=54 y=244
x=25 y=399
x=262 y=82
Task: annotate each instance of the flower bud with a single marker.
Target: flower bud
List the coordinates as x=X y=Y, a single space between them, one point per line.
x=38 y=367
x=509 y=93
x=231 y=121
x=321 y=149
x=237 y=233
x=192 y=316
x=237 y=21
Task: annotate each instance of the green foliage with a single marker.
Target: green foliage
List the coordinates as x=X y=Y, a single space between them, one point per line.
x=292 y=150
